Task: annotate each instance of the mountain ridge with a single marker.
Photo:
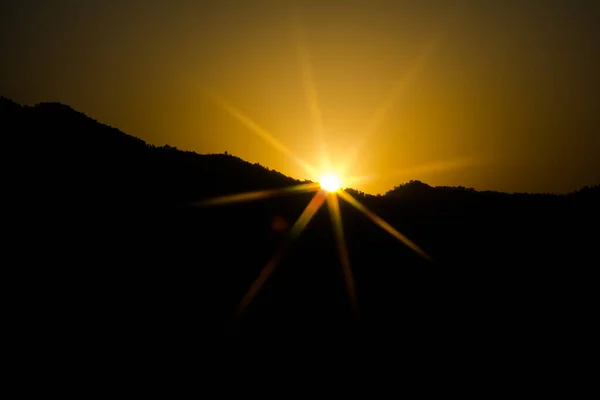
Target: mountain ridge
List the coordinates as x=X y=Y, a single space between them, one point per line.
x=15 y=113
x=107 y=242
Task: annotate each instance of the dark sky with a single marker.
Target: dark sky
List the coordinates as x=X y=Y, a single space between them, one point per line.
x=499 y=95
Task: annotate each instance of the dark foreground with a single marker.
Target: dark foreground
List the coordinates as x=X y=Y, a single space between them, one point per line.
x=159 y=294
x=115 y=275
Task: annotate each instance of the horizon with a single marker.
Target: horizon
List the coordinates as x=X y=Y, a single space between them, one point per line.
x=495 y=97
x=342 y=186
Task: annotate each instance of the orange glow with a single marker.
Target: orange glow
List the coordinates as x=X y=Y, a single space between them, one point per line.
x=262 y=133
x=370 y=86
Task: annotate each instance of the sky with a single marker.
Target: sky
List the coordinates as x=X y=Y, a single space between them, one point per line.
x=492 y=95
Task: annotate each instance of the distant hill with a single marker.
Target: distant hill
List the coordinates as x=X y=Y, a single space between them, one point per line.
x=69 y=143
x=73 y=149
x=104 y=240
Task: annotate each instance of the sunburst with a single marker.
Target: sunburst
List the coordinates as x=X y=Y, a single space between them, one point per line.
x=329 y=190
x=329 y=187
x=330 y=183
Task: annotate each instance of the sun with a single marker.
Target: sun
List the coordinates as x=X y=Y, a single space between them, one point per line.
x=328 y=190
x=330 y=183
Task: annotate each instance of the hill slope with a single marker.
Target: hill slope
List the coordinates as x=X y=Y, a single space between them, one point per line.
x=105 y=234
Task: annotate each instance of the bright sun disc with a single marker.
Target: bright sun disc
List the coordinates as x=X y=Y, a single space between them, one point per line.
x=330 y=183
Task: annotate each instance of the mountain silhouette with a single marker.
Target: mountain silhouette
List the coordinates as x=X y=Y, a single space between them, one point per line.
x=107 y=240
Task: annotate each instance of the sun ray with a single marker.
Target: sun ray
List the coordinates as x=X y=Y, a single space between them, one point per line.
x=317 y=201
x=263 y=133
x=338 y=229
x=310 y=89
x=438 y=166
x=269 y=268
x=384 y=225
x=308 y=213
x=257 y=195
x=382 y=112
x=260 y=281
x=401 y=85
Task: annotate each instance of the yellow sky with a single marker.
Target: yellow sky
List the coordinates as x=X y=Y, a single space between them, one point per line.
x=491 y=96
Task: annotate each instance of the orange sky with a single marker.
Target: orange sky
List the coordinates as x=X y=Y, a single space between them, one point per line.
x=491 y=95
